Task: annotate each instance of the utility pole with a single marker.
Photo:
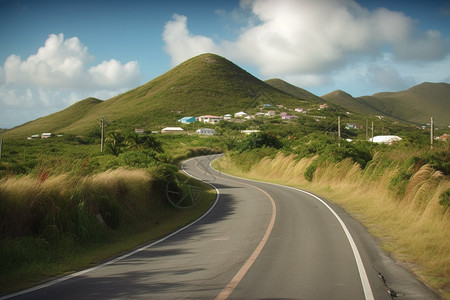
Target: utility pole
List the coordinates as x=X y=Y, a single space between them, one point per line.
x=102 y=133
x=372 y=131
x=339 y=131
x=367 y=129
x=432 y=132
x=1 y=143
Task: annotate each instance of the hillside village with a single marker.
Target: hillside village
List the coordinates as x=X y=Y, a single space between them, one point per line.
x=265 y=111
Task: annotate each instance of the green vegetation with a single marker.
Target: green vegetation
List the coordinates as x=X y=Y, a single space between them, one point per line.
x=206 y=84
x=399 y=192
x=415 y=105
x=65 y=205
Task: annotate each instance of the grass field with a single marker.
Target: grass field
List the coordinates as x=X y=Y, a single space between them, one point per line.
x=51 y=234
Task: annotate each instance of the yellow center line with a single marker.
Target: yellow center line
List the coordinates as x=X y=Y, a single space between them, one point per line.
x=231 y=286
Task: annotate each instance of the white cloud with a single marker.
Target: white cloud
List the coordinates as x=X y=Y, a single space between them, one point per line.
x=315 y=40
x=62 y=64
x=181 y=45
x=59 y=74
x=112 y=74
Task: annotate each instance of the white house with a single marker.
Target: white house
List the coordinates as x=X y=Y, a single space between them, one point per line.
x=250 y=131
x=209 y=119
x=240 y=114
x=172 y=130
x=385 y=139
x=46 y=135
x=227 y=117
x=289 y=117
x=205 y=131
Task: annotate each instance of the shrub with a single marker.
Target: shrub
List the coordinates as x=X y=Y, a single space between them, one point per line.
x=310 y=170
x=445 y=199
x=259 y=140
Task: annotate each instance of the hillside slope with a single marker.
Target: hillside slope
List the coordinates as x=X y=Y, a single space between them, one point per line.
x=346 y=101
x=415 y=105
x=206 y=84
x=58 y=121
x=293 y=90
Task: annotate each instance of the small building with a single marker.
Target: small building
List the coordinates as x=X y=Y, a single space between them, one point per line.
x=323 y=106
x=240 y=114
x=172 y=130
x=227 y=117
x=205 y=131
x=46 y=135
x=353 y=126
x=209 y=119
x=385 y=139
x=250 y=131
x=443 y=137
x=35 y=136
x=187 y=120
x=139 y=130
x=299 y=109
x=289 y=117
x=270 y=113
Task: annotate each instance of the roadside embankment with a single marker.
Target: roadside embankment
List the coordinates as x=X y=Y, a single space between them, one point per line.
x=405 y=205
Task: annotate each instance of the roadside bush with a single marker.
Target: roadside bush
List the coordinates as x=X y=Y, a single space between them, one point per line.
x=138 y=159
x=445 y=199
x=310 y=170
x=259 y=140
x=360 y=152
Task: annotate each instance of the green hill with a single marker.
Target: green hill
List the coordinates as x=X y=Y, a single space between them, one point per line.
x=206 y=84
x=293 y=90
x=210 y=84
x=415 y=105
x=58 y=121
x=346 y=101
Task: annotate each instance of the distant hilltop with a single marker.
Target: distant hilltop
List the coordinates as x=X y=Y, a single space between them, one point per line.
x=211 y=84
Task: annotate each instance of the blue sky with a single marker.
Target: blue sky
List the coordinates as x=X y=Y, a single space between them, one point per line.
x=55 y=53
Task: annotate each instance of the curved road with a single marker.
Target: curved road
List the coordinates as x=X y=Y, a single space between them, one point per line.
x=260 y=241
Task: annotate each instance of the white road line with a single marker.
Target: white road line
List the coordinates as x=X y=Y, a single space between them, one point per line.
x=361 y=270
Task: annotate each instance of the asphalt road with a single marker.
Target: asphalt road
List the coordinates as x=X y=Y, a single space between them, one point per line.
x=260 y=241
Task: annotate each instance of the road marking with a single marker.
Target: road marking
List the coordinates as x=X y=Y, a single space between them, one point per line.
x=359 y=263
x=230 y=287
x=226 y=292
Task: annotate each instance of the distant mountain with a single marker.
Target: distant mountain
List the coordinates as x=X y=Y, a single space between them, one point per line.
x=415 y=105
x=293 y=90
x=346 y=101
x=206 y=84
x=210 y=84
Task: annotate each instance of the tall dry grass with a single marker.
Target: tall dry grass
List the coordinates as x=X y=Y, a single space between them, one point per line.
x=412 y=225
x=38 y=205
